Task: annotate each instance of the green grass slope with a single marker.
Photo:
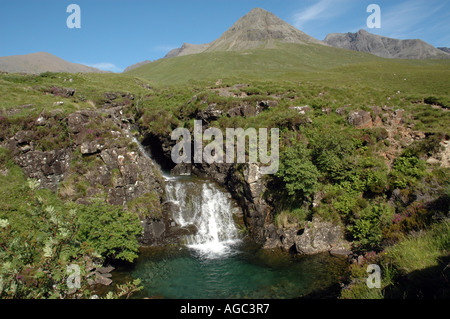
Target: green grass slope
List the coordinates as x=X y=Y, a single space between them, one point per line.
x=285 y=61
x=29 y=95
x=293 y=62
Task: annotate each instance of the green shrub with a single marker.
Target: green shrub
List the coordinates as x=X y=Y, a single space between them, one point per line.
x=40 y=236
x=366 y=226
x=110 y=230
x=407 y=170
x=298 y=174
x=332 y=153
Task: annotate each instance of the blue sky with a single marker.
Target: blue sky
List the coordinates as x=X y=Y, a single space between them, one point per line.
x=117 y=33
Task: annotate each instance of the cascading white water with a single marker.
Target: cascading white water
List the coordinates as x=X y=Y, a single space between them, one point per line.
x=202 y=204
x=209 y=209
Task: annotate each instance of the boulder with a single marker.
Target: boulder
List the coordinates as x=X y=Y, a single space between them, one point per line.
x=89 y=148
x=320 y=236
x=360 y=119
x=100 y=279
x=397 y=117
x=154 y=231
x=23 y=137
x=376 y=109
x=288 y=238
x=253 y=176
x=59 y=91
x=264 y=105
x=244 y=110
x=78 y=120
x=212 y=113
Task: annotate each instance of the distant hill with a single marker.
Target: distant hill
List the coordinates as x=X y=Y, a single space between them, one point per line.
x=257 y=29
x=262 y=46
x=447 y=50
x=134 y=66
x=40 y=62
x=187 y=49
x=385 y=47
x=259 y=45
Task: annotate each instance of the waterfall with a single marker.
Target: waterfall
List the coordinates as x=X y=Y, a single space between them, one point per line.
x=207 y=207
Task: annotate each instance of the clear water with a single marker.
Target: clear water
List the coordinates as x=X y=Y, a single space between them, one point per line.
x=244 y=272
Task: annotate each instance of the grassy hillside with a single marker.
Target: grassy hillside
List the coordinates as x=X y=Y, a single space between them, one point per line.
x=293 y=62
x=286 y=61
x=25 y=95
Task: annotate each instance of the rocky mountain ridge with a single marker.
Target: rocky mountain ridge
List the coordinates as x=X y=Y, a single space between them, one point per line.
x=384 y=47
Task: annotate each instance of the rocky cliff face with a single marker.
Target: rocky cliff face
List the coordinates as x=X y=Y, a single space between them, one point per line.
x=385 y=47
x=102 y=161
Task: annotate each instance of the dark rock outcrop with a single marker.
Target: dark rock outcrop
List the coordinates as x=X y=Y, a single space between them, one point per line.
x=59 y=91
x=315 y=237
x=101 y=161
x=360 y=119
x=49 y=168
x=321 y=236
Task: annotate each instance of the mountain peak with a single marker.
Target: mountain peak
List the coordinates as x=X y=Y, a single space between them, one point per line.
x=258 y=11
x=259 y=28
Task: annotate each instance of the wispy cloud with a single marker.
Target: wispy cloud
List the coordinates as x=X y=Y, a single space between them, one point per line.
x=404 y=19
x=104 y=66
x=324 y=9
